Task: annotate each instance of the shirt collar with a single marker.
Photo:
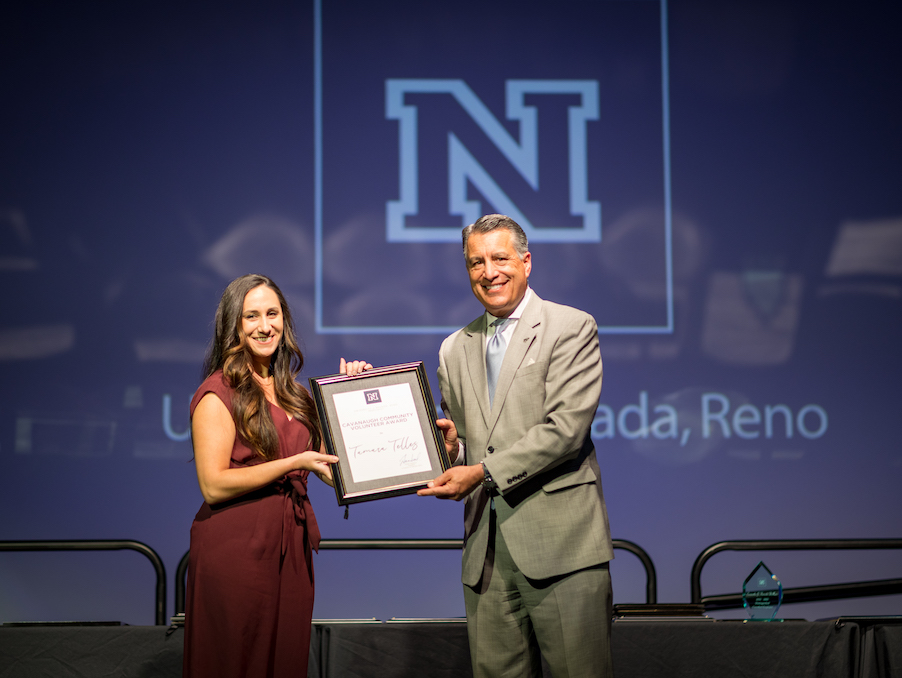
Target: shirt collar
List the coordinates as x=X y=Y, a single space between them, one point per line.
x=517 y=312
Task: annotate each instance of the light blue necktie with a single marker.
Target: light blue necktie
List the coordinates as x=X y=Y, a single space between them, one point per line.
x=494 y=355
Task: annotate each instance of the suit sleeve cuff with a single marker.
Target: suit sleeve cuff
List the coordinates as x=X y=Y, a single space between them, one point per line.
x=461 y=453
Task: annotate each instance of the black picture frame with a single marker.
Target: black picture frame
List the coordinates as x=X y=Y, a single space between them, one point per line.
x=347 y=489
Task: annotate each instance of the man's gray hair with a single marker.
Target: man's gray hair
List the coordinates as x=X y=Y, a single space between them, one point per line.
x=492 y=222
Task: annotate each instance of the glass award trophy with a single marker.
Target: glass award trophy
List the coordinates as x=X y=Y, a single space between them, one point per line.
x=762 y=594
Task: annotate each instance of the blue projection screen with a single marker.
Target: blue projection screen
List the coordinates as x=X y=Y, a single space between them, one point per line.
x=717 y=183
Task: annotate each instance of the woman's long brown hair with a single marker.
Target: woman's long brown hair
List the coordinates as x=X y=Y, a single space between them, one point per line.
x=229 y=352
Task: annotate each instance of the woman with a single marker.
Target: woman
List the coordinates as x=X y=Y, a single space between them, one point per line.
x=256 y=439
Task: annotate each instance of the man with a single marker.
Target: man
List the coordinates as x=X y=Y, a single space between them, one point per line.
x=537 y=540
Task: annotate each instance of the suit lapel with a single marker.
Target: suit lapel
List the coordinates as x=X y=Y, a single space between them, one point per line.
x=524 y=336
x=475 y=359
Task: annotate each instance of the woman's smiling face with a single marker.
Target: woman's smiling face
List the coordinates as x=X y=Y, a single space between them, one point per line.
x=261 y=322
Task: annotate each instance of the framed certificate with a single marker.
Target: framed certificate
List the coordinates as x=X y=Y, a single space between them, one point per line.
x=381 y=426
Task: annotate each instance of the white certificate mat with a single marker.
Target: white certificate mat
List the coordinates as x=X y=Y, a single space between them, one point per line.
x=381 y=432
x=381 y=426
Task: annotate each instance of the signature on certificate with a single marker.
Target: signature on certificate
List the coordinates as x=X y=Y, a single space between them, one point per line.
x=410 y=449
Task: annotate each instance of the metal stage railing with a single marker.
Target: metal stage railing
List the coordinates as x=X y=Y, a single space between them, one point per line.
x=103 y=545
x=651 y=585
x=880 y=587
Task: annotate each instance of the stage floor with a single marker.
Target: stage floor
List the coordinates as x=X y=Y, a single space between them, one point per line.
x=678 y=649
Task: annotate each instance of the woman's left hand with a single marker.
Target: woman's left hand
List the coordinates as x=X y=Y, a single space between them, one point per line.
x=354 y=367
x=324 y=473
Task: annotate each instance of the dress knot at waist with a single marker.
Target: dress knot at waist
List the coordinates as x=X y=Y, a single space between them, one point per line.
x=294 y=485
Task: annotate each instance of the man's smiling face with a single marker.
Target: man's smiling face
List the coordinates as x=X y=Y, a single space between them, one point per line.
x=498 y=276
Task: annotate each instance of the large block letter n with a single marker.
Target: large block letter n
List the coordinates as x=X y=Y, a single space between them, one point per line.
x=463 y=166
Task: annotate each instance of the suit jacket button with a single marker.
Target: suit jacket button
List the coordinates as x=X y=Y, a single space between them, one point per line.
x=491 y=449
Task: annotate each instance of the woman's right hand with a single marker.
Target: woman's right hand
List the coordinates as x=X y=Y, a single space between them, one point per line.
x=353 y=367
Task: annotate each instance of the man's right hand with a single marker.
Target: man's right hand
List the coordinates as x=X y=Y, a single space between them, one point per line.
x=455 y=483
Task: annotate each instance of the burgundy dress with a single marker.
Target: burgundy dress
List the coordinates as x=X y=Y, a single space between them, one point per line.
x=250 y=577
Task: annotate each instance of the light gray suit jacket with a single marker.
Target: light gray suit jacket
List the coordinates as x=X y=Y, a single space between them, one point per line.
x=535 y=440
